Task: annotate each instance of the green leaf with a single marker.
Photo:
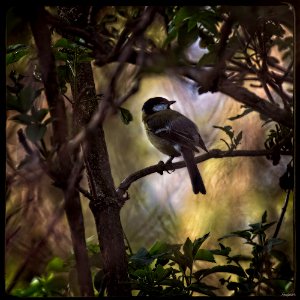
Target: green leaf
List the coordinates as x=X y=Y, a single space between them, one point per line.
x=12 y=102
x=64 y=43
x=192 y=23
x=140 y=273
x=162 y=273
x=208 y=20
x=180 y=259
x=60 y=56
x=244 y=113
x=255 y=226
x=224 y=269
x=183 y=14
x=264 y=217
x=84 y=58
x=34 y=289
x=172 y=33
x=203 y=254
x=55 y=264
x=93 y=248
x=172 y=282
x=15 y=47
x=158 y=248
x=258 y=227
x=16 y=55
x=222 y=252
x=22 y=119
x=188 y=251
x=26 y=97
x=185 y=37
x=40 y=114
x=56 y=283
x=238 y=138
x=240 y=233
x=141 y=258
x=126 y=115
x=198 y=242
x=35 y=132
x=227 y=130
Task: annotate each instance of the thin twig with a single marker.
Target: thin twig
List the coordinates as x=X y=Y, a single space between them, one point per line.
x=85 y=193
x=106 y=106
x=283 y=210
x=23 y=141
x=68 y=99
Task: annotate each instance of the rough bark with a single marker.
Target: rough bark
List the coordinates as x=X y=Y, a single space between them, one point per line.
x=106 y=205
x=65 y=180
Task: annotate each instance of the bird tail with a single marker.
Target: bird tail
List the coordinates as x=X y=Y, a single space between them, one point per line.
x=196 y=179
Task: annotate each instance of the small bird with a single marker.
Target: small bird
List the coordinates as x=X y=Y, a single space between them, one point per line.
x=174 y=134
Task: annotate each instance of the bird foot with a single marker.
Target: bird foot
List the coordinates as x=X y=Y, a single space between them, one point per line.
x=164 y=166
x=168 y=163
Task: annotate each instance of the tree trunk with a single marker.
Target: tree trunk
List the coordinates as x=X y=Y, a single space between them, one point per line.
x=106 y=205
x=66 y=179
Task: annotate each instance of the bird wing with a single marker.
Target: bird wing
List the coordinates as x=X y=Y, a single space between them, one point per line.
x=174 y=132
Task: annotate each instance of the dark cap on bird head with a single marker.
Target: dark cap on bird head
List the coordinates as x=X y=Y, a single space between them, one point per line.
x=150 y=103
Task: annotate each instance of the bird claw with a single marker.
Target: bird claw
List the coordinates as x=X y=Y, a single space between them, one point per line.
x=164 y=166
x=170 y=171
x=169 y=163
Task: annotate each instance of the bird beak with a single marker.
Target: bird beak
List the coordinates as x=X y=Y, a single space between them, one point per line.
x=171 y=102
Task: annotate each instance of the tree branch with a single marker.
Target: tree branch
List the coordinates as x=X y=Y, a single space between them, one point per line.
x=283 y=210
x=260 y=105
x=161 y=166
x=240 y=94
x=42 y=38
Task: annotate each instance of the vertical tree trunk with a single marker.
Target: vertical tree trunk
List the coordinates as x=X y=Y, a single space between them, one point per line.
x=105 y=206
x=65 y=181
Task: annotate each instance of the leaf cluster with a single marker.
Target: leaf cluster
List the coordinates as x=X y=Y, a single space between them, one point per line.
x=169 y=270
x=269 y=272
x=21 y=98
x=279 y=140
x=60 y=276
x=175 y=269
x=234 y=140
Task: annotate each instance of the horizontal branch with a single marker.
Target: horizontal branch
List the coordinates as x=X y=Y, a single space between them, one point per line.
x=161 y=166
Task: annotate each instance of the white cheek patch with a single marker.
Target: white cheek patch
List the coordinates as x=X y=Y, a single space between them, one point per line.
x=160 y=107
x=177 y=147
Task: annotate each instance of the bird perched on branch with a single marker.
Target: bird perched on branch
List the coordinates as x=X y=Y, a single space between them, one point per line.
x=174 y=134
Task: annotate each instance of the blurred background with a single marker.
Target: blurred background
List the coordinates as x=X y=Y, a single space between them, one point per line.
x=161 y=207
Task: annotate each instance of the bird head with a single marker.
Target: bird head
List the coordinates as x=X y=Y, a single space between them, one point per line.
x=156 y=104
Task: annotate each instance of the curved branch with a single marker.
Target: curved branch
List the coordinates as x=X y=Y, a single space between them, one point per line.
x=240 y=94
x=261 y=105
x=161 y=166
